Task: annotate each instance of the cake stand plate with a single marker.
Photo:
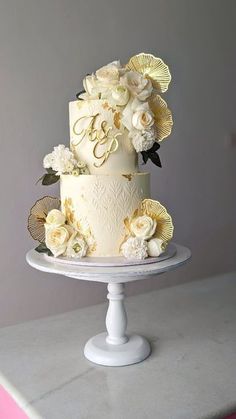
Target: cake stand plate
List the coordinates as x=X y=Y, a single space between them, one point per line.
x=113 y=261
x=114 y=348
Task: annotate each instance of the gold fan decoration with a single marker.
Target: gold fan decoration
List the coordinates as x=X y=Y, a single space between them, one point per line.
x=152 y=68
x=162 y=116
x=38 y=214
x=158 y=212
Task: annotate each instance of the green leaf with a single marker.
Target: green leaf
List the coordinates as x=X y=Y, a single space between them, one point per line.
x=50 y=179
x=155 y=159
x=78 y=94
x=144 y=156
x=42 y=248
x=51 y=171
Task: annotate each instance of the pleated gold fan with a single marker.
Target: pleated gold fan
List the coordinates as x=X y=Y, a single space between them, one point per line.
x=162 y=117
x=38 y=214
x=153 y=68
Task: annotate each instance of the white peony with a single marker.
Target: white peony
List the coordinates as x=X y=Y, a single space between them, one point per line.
x=90 y=84
x=142 y=140
x=76 y=247
x=134 y=248
x=155 y=247
x=109 y=74
x=61 y=160
x=56 y=238
x=143 y=227
x=55 y=218
x=137 y=84
x=120 y=95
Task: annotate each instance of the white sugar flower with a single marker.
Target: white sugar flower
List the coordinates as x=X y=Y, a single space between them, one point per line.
x=109 y=74
x=138 y=85
x=143 y=227
x=155 y=247
x=55 y=218
x=142 y=140
x=76 y=247
x=119 y=95
x=56 y=238
x=61 y=160
x=142 y=117
x=134 y=248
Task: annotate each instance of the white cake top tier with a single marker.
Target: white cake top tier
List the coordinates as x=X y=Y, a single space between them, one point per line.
x=98 y=138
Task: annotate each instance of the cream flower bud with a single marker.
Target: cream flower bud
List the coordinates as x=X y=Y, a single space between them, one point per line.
x=155 y=247
x=56 y=218
x=143 y=227
x=120 y=95
x=56 y=238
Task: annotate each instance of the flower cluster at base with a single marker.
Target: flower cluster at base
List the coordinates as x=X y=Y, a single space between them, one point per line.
x=133 y=90
x=61 y=161
x=148 y=231
x=62 y=239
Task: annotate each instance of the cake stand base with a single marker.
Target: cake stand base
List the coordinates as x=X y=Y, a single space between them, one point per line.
x=99 y=351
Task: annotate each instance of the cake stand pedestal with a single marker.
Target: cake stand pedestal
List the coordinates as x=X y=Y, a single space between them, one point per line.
x=114 y=347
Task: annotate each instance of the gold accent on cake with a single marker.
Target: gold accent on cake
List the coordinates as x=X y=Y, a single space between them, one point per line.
x=117 y=119
x=38 y=214
x=152 y=68
x=82 y=227
x=128 y=176
x=100 y=136
x=162 y=116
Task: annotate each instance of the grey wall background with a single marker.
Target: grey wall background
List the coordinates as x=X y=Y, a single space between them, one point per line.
x=46 y=48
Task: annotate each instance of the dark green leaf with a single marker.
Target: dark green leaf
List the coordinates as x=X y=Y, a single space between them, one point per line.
x=155 y=159
x=51 y=171
x=42 y=248
x=49 y=179
x=144 y=156
x=155 y=147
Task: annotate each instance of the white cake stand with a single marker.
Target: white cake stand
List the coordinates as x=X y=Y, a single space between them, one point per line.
x=113 y=348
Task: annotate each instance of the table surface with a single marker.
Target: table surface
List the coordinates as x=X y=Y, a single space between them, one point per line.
x=178 y=255
x=191 y=373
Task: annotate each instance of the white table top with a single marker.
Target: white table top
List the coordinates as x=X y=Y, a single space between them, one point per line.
x=191 y=373
x=175 y=256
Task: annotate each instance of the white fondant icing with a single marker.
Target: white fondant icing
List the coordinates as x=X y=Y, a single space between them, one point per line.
x=102 y=202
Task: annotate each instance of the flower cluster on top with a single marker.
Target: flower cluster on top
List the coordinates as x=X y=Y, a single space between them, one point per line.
x=61 y=161
x=148 y=231
x=134 y=89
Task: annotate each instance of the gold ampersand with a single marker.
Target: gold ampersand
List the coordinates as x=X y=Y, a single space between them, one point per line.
x=100 y=136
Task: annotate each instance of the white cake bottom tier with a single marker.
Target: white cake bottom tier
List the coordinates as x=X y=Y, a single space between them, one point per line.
x=98 y=204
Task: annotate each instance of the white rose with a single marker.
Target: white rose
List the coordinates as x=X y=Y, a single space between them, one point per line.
x=56 y=218
x=56 y=238
x=120 y=95
x=137 y=84
x=143 y=227
x=155 y=247
x=109 y=74
x=134 y=248
x=76 y=246
x=142 y=119
x=142 y=140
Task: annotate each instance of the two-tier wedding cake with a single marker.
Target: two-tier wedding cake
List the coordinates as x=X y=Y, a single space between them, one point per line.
x=105 y=208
